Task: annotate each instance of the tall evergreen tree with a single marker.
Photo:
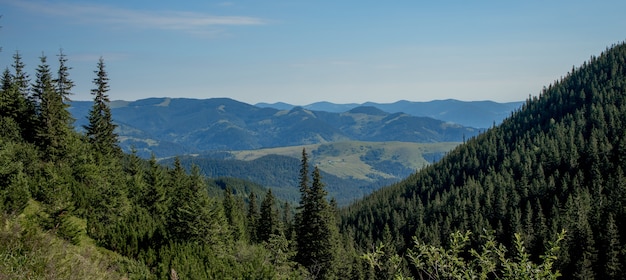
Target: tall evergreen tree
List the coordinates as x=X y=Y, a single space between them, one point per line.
x=155 y=198
x=8 y=96
x=9 y=127
x=54 y=121
x=20 y=78
x=234 y=214
x=287 y=221
x=269 y=223
x=25 y=102
x=101 y=128
x=304 y=177
x=253 y=217
x=135 y=181
x=316 y=228
x=63 y=83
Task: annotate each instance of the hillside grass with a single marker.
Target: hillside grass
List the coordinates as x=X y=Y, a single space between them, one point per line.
x=349 y=159
x=28 y=251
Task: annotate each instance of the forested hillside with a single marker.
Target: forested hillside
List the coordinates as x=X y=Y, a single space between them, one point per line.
x=557 y=163
x=73 y=206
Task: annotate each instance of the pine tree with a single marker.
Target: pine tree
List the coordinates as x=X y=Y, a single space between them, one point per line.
x=316 y=229
x=63 y=83
x=8 y=96
x=20 y=104
x=20 y=78
x=268 y=223
x=234 y=215
x=304 y=195
x=178 y=178
x=9 y=127
x=100 y=130
x=135 y=181
x=155 y=198
x=304 y=177
x=253 y=217
x=54 y=121
x=613 y=250
x=287 y=221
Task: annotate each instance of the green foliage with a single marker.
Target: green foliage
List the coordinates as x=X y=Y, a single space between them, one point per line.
x=387 y=265
x=14 y=188
x=493 y=261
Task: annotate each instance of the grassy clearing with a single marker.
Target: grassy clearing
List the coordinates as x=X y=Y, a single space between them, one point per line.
x=359 y=159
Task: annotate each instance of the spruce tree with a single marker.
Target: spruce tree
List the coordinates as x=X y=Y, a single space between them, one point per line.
x=21 y=103
x=316 y=228
x=269 y=223
x=135 y=181
x=287 y=221
x=155 y=198
x=253 y=217
x=54 y=121
x=63 y=83
x=100 y=130
x=8 y=96
x=304 y=177
x=234 y=215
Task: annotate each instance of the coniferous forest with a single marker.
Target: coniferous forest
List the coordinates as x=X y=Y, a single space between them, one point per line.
x=556 y=164
x=540 y=196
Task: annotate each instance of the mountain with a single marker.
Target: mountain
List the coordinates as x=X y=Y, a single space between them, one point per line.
x=479 y=114
x=556 y=163
x=174 y=126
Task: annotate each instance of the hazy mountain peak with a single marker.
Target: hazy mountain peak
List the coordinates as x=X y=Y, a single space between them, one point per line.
x=368 y=110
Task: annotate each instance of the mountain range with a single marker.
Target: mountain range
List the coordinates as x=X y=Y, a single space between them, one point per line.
x=478 y=114
x=175 y=126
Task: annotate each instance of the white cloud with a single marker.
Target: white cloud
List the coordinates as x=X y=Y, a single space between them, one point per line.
x=193 y=22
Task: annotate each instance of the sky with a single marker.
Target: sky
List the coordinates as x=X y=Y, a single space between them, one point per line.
x=300 y=52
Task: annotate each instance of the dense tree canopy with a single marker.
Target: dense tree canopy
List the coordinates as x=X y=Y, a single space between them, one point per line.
x=557 y=163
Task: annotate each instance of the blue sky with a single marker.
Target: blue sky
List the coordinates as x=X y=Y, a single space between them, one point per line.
x=301 y=52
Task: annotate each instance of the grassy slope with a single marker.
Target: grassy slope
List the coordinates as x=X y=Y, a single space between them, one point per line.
x=349 y=159
x=28 y=251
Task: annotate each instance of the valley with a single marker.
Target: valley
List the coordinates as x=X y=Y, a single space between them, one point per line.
x=351 y=169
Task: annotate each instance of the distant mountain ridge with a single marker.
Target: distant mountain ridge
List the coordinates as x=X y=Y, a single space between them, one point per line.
x=478 y=114
x=174 y=126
